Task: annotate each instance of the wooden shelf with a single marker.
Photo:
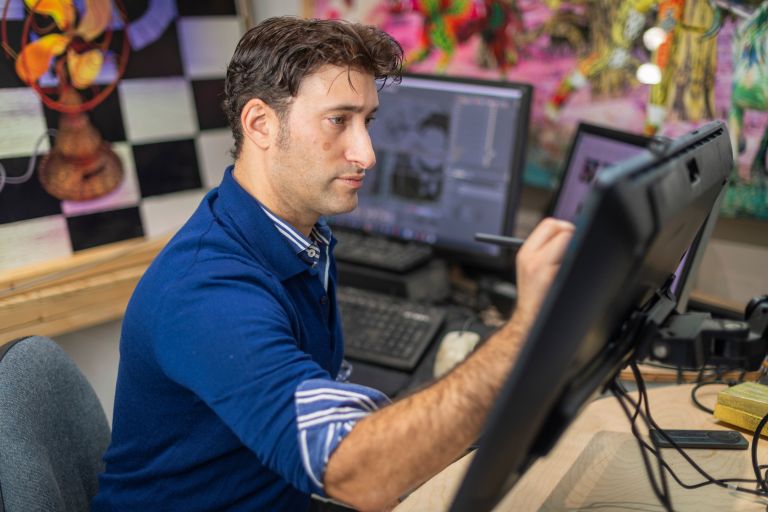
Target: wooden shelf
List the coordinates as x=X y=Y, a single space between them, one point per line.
x=656 y=374
x=64 y=295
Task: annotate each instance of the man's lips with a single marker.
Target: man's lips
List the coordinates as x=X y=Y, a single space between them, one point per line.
x=355 y=181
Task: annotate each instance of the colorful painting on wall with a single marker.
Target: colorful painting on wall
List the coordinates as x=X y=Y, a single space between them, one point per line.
x=110 y=119
x=659 y=67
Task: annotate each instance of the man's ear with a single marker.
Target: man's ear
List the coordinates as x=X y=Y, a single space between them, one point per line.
x=259 y=123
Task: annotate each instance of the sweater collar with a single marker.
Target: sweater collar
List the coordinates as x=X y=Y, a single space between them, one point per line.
x=257 y=230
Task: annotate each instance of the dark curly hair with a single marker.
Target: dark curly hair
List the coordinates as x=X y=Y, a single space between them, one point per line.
x=273 y=57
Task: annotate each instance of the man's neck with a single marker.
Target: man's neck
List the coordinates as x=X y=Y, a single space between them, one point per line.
x=247 y=173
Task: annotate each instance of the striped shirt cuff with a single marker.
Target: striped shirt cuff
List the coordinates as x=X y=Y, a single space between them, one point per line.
x=326 y=411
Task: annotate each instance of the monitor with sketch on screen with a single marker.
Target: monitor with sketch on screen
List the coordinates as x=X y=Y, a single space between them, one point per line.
x=450 y=154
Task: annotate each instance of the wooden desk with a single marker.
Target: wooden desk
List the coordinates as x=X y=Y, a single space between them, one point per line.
x=596 y=465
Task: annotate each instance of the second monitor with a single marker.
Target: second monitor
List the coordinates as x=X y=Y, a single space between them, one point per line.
x=595 y=148
x=450 y=154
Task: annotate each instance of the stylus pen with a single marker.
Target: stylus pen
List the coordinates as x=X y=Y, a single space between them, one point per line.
x=504 y=241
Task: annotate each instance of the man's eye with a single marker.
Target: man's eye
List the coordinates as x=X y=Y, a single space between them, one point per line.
x=337 y=120
x=369 y=120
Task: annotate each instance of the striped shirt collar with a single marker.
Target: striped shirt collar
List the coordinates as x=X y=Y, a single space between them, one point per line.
x=307 y=248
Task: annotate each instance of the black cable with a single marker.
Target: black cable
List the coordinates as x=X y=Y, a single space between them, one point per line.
x=700 y=377
x=699 y=386
x=718 y=379
x=660 y=495
x=668 y=468
x=643 y=392
x=648 y=418
x=652 y=423
x=755 y=438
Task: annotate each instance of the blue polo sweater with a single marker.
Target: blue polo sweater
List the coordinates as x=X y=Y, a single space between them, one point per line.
x=221 y=331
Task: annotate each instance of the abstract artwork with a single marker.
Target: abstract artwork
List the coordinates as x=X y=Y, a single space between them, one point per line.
x=659 y=67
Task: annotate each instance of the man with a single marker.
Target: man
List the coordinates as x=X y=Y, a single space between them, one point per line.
x=226 y=398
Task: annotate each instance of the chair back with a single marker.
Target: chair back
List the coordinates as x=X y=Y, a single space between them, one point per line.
x=53 y=430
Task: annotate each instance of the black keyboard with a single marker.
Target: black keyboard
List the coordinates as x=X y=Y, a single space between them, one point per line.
x=379 y=252
x=385 y=330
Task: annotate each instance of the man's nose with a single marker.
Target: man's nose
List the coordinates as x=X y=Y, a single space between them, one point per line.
x=360 y=151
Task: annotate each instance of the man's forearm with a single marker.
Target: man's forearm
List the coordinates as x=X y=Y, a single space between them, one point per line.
x=400 y=446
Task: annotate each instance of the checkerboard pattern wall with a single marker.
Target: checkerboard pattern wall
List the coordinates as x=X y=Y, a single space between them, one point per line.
x=163 y=120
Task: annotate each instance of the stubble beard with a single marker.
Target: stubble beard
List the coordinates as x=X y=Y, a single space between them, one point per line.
x=283 y=134
x=285 y=146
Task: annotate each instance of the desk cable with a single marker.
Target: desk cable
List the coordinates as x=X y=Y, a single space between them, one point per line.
x=717 y=379
x=660 y=489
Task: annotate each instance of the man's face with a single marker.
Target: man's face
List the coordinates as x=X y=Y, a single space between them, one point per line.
x=324 y=146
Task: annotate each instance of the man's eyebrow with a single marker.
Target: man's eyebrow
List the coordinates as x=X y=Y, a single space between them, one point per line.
x=356 y=109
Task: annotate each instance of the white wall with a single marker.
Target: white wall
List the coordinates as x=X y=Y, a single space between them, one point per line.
x=267 y=8
x=734 y=271
x=95 y=351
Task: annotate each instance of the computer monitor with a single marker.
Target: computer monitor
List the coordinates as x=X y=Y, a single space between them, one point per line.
x=594 y=148
x=636 y=223
x=450 y=153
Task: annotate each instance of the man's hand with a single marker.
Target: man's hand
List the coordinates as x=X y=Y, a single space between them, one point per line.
x=537 y=263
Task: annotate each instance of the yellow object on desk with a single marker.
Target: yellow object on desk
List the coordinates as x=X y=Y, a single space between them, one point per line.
x=743 y=405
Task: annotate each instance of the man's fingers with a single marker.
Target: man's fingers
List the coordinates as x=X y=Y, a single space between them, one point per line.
x=554 y=249
x=545 y=231
x=548 y=255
